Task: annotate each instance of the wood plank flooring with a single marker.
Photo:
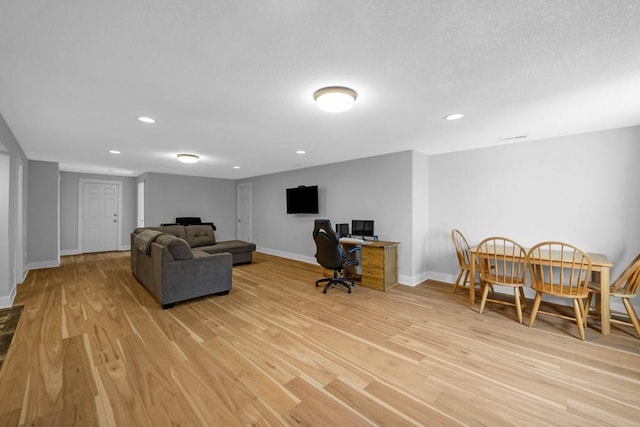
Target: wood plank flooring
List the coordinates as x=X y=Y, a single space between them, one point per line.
x=94 y=348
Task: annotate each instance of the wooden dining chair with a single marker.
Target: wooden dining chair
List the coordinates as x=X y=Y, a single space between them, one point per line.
x=624 y=287
x=463 y=253
x=502 y=262
x=561 y=270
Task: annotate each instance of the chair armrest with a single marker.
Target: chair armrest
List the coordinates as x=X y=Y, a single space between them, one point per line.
x=352 y=250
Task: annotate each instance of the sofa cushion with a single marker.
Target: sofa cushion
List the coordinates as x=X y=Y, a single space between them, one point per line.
x=178 y=248
x=174 y=230
x=200 y=235
x=231 y=246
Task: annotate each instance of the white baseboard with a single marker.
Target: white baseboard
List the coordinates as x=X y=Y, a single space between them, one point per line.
x=44 y=264
x=441 y=277
x=412 y=280
x=67 y=252
x=7 y=301
x=288 y=255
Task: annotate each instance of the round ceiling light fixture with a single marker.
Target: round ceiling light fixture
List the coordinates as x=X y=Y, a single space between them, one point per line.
x=188 y=158
x=454 y=116
x=144 y=119
x=335 y=99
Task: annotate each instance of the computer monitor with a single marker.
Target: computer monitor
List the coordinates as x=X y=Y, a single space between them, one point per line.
x=342 y=230
x=361 y=227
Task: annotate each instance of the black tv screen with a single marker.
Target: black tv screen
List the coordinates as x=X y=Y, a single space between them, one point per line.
x=302 y=200
x=361 y=227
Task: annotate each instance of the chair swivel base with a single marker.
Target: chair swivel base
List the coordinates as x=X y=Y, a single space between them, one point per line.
x=347 y=283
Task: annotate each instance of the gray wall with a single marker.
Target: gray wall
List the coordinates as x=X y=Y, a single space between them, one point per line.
x=12 y=155
x=378 y=188
x=6 y=256
x=43 y=221
x=69 y=192
x=170 y=196
x=583 y=189
x=420 y=213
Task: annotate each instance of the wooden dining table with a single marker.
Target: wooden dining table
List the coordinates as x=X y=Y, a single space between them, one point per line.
x=600 y=272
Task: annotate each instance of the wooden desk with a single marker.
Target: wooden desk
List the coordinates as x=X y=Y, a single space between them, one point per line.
x=379 y=262
x=600 y=271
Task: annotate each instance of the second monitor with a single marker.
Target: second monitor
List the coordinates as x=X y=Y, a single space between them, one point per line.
x=362 y=227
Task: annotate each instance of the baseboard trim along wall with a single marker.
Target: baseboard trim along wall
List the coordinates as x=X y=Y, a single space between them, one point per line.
x=288 y=255
x=440 y=277
x=67 y=252
x=77 y=251
x=7 y=301
x=44 y=264
x=413 y=280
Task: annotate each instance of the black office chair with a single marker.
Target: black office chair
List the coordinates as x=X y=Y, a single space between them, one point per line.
x=193 y=220
x=330 y=255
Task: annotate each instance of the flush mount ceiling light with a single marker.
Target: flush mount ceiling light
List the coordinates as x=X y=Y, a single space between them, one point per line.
x=335 y=99
x=146 y=119
x=188 y=158
x=454 y=116
x=114 y=151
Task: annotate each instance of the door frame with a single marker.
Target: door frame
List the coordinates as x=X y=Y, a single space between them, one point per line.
x=247 y=185
x=81 y=183
x=19 y=258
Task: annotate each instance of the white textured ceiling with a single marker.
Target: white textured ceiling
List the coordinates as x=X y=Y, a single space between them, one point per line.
x=233 y=80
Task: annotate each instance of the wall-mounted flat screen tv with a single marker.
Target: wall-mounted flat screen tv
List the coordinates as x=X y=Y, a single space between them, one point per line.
x=361 y=227
x=302 y=200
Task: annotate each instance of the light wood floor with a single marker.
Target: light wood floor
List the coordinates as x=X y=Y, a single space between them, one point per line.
x=94 y=348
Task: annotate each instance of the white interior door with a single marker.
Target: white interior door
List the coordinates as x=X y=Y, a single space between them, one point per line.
x=100 y=217
x=244 y=211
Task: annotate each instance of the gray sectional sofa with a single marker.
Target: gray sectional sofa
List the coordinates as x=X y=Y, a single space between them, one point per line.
x=176 y=262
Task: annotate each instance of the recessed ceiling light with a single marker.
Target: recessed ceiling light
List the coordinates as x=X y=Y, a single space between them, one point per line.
x=236 y=167
x=144 y=119
x=188 y=158
x=335 y=99
x=114 y=151
x=301 y=152
x=454 y=116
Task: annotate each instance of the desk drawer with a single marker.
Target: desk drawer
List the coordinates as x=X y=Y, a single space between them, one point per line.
x=376 y=283
x=379 y=265
x=373 y=272
x=372 y=255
